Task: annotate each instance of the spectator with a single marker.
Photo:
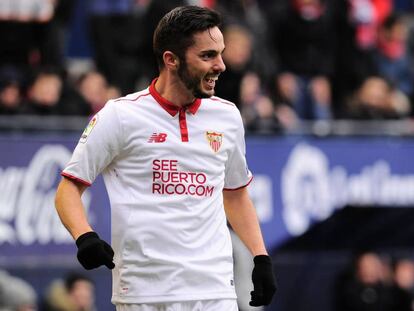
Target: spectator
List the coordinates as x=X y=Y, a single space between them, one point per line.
x=74 y=293
x=50 y=94
x=58 y=31
x=404 y=278
x=250 y=90
x=116 y=32
x=366 y=16
x=250 y=14
x=29 y=36
x=94 y=89
x=303 y=37
x=376 y=99
x=356 y=25
x=112 y=92
x=266 y=121
x=44 y=94
x=258 y=110
x=366 y=287
x=16 y=294
x=10 y=98
x=392 y=59
x=121 y=33
x=11 y=83
x=237 y=57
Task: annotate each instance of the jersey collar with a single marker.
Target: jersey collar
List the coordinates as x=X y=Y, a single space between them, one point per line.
x=170 y=107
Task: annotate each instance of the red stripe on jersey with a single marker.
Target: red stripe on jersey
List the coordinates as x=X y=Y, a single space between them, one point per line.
x=75 y=178
x=248 y=183
x=173 y=109
x=132 y=99
x=222 y=101
x=183 y=125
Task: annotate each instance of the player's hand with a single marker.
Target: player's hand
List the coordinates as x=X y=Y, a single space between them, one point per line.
x=94 y=252
x=263 y=281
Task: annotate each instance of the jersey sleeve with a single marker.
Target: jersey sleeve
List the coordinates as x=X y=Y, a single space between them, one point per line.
x=237 y=172
x=99 y=144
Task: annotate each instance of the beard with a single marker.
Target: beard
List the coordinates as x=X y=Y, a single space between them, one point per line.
x=191 y=82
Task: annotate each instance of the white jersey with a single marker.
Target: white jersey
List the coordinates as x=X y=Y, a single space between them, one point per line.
x=165 y=169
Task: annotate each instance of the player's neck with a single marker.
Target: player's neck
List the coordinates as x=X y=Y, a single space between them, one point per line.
x=173 y=90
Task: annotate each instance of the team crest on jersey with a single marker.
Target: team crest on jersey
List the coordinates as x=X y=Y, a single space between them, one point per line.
x=88 y=129
x=214 y=139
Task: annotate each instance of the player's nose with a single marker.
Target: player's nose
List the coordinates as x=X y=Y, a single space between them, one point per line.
x=219 y=65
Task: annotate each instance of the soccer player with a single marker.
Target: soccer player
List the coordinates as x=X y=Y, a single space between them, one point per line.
x=173 y=160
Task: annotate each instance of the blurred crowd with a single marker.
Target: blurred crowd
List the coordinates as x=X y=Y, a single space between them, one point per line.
x=372 y=282
x=287 y=60
x=73 y=292
x=377 y=282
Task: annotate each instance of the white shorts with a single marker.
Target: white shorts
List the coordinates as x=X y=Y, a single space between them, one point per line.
x=199 y=305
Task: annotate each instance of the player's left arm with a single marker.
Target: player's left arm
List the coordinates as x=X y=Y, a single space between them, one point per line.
x=242 y=217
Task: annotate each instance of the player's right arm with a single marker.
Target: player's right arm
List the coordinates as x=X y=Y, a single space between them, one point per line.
x=92 y=251
x=99 y=144
x=70 y=207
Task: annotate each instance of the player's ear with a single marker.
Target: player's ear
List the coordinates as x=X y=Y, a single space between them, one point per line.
x=171 y=60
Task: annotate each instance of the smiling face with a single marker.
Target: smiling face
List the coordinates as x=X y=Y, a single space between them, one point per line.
x=203 y=63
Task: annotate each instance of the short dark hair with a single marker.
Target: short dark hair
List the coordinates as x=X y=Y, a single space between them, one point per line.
x=175 y=30
x=73 y=277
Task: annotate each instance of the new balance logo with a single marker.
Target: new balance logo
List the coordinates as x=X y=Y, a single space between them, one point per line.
x=157 y=138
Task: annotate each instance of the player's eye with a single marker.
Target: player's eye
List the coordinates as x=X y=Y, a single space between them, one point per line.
x=208 y=55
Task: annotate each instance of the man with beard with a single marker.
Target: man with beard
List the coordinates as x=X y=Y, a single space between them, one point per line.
x=173 y=161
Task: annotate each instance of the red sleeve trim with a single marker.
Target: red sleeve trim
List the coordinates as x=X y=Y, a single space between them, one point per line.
x=248 y=183
x=223 y=101
x=75 y=178
x=131 y=99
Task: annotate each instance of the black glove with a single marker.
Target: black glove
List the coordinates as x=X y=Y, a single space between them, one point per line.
x=94 y=252
x=263 y=281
